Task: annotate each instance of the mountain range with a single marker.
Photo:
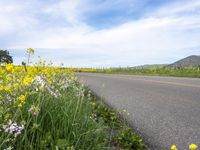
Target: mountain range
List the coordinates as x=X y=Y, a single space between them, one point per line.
x=190 y=61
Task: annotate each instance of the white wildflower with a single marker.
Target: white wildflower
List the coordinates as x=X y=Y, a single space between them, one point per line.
x=39 y=81
x=9 y=99
x=13 y=128
x=34 y=110
x=9 y=148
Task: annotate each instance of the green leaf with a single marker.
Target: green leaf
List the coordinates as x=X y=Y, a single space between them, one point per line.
x=61 y=143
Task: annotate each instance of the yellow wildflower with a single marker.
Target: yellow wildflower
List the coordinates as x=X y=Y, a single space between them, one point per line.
x=15 y=86
x=9 y=67
x=1 y=88
x=193 y=146
x=9 y=78
x=19 y=105
x=30 y=50
x=2 y=71
x=27 y=81
x=7 y=89
x=173 y=147
x=21 y=100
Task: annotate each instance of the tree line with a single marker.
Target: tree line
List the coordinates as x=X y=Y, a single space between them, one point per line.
x=5 y=57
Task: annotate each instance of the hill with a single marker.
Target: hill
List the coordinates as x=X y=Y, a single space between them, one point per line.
x=193 y=61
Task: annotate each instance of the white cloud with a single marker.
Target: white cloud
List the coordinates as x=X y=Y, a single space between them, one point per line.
x=67 y=9
x=13 y=18
x=163 y=35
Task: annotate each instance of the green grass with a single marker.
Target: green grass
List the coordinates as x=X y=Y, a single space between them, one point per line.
x=62 y=123
x=193 y=72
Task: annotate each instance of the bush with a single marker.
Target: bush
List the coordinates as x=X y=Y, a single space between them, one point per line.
x=128 y=140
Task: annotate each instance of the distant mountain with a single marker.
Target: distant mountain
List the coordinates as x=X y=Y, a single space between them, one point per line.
x=193 y=61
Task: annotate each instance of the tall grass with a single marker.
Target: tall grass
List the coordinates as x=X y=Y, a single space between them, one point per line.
x=46 y=108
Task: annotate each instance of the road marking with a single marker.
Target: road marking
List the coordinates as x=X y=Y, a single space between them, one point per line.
x=149 y=80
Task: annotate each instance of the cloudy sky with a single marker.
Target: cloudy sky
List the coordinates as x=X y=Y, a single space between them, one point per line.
x=101 y=33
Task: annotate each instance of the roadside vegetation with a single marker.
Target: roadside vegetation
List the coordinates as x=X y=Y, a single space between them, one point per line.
x=154 y=71
x=44 y=107
x=122 y=137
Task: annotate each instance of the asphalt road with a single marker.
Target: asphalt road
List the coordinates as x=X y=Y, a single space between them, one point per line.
x=164 y=110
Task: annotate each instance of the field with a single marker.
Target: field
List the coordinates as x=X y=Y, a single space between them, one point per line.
x=193 y=72
x=45 y=107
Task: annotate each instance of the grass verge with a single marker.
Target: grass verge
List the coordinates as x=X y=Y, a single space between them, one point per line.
x=193 y=72
x=121 y=135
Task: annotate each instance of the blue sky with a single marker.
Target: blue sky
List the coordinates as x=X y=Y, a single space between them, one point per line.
x=101 y=33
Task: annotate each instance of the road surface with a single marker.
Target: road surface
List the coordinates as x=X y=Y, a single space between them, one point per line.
x=164 y=110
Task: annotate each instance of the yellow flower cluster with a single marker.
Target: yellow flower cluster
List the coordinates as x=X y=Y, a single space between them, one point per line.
x=173 y=147
x=27 y=80
x=30 y=50
x=17 y=81
x=9 y=67
x=191 y=147
x=21 y=100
